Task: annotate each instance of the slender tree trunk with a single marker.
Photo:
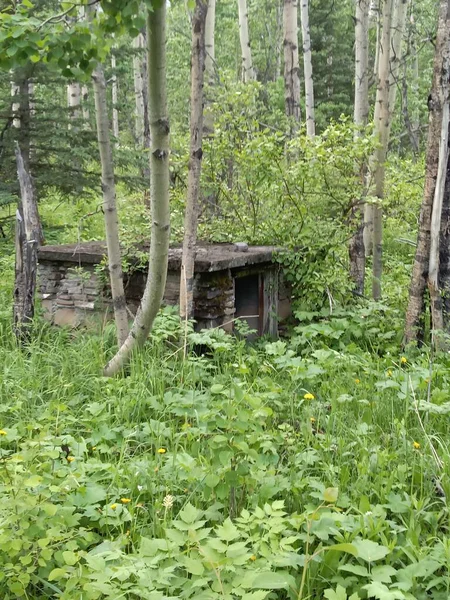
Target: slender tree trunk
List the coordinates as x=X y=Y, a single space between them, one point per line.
x=115 y=100
x=291 y=64
x=308 y=73
x=74 y=101
x=210 y=63
x=436 y=102
x=437 y=319
x=109 y=206
x=195 y=161
x=85 y=106
x=382 y=129
x=361 y=114
x=139 y=85
x=398 y=29
x=248 y=73
x=279 y=39
x=444 y=251
x=159 y=192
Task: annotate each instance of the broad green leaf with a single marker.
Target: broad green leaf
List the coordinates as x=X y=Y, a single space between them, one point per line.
x=193 y=566
x=330 y=495
x=70 y=558
x=56 y=574
x=227 y=531
x=381 y=592
x=272 y=581
x=370 y=551
x=338 y=594
x=189 y=514
x=355 y=569
x=33 y=481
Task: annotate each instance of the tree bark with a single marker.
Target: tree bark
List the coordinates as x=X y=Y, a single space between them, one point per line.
x=308 y=72
x=398 y=29
x=444 y=251
x=291 y=64
x=195 y=161
x=74 y=102
x=115 y=100
x=210 y=63
x=248 y=73
x=139 y=85
x=28 y=239
x=159 y=192
x=382 y=130
x=361 y=114
x=109 y=206
x=436 y=102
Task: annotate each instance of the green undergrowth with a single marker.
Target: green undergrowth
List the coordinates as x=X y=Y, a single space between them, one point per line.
x=315 y=467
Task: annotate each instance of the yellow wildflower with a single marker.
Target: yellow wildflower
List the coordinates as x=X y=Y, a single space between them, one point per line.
x=125 y=500
x=156 y=469
x=403 y=360
x=252 y=557
x=389 y=373
x=113 y=506
x=162 y=450
x=309 y=396
x=2 y=432
x=70 y=458
x=416 y=445
x=94 y=448
x=357 y=381
x=312 y=419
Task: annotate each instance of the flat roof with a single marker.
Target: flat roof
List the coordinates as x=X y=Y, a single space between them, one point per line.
x=208 y=258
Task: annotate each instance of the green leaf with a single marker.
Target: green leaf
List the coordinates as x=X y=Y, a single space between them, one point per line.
x=189 y=514
x=349 y=548
x=381 y=592
x=212 y=480
x=193 y=566
x=272 y=581
x=355 y=569
x=33 y=481
x=227 y=531
x=70 y=558
x=370 y=551
x=56 y=574
x=330 y=495
x=339 y=594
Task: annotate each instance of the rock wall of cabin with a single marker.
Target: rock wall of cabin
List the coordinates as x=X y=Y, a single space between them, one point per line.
x=73 y=296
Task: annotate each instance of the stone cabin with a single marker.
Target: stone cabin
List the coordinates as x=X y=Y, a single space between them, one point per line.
x=231 y=281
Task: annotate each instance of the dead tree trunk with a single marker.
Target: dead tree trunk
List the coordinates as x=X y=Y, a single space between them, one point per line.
x=109 y=206
x=159 y=192
x=195 y=161
x=436 y=102
x=361 y=112
x=28 y=239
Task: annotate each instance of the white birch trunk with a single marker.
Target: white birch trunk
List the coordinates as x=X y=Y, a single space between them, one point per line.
x=138 y=73
x=437 y=318
x=361 y=114
x=109 y=206
x=382 y=130
x=115 y=100
x=291 y=64
x=248 y=73
x=398 y=27
x=195 y=161
x=74 y=101
x=159 y=193
x=85 y=105
x=210 y=63
x=308 y=72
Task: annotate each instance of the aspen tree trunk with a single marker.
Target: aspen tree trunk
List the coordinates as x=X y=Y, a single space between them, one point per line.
x=398 y=31
x=115 y=100
x=74 y=101
x=159 y=192
x=248 y=74
x=85 y=106
x=444 y=252
x=308 y=73
x=436 y=102
x=291 y=64
x=210 y=63
x=139 y=84
x=279 y=42
x=195 y=161
x=437 y=319
x=109 y=206
x=361 y=114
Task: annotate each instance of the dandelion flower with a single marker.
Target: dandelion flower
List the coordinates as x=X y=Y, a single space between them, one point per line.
x=161 y=450
x=113 y=506
x=2 y=432
x=125 y=500
x=416 y=445
x=403 y=360
x=70 y=459
x=309 y=396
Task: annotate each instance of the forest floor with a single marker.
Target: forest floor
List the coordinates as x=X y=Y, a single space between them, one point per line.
x=315 y=467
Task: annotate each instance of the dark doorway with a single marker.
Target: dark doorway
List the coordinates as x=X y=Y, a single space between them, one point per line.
x=247 y=301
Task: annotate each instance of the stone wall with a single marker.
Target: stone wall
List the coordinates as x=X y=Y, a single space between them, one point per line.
x=73 y=296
